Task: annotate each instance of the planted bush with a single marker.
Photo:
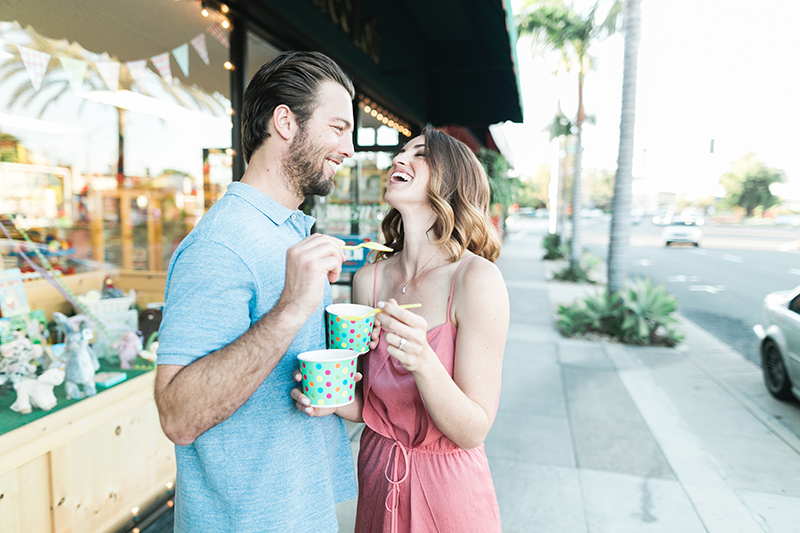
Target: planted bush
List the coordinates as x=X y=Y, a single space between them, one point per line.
x=638 y=314
x=553 y=249
x=581 y=273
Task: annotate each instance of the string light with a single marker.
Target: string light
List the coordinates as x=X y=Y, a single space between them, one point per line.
x=225 y=24
x=224 y=8
x=371 y=108
x=228 y=65
x=204 y=12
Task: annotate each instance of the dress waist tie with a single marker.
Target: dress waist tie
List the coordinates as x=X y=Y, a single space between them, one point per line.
x=393 y=498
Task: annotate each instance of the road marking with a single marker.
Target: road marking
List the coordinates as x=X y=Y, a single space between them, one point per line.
x=643 y=262
x=680 y=278
x=794 y=271
x=789 y=246
x=707 y=288
x=734 y=258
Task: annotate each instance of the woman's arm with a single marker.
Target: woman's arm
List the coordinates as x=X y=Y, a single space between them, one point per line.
x=462 y=407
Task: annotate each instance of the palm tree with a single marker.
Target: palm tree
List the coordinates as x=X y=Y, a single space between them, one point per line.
x=619 y=245
x=556 y=26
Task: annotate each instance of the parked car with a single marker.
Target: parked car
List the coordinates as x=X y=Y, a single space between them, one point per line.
x=780 y=343
x=662 y=218
x=682 y=231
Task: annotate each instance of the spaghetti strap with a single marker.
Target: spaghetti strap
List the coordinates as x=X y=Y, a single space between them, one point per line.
x=453 y=288
x=375 y=286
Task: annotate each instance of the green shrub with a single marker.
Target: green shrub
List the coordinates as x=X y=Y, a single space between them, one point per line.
x=553 y=247
x=639 y=314
x=582 y=273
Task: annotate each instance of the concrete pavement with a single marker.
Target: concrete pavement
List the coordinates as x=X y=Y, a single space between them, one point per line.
x=604 y=437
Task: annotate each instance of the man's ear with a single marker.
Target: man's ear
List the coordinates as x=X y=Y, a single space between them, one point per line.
x=284 y=123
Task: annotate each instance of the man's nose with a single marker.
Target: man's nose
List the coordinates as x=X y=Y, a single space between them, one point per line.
x=347 y=149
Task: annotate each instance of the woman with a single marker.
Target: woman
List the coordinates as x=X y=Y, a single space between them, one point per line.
x=429 y=394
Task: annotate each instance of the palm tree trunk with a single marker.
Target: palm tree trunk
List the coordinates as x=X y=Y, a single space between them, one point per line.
x=121 y=148
x=619 y=246
x=576 y=248
x=563 y=204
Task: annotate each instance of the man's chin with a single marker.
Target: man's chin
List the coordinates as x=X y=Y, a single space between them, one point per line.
x=322 y=187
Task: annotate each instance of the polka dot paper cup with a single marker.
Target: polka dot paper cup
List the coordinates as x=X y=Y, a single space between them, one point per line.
x=329 y=376
x=349 y=334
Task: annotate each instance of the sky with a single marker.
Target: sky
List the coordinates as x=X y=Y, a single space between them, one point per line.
x=708 y=69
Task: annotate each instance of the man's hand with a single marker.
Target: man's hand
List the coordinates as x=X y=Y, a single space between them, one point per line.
x=307 y=264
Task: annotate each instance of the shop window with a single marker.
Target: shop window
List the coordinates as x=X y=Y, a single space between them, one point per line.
x=105 y=113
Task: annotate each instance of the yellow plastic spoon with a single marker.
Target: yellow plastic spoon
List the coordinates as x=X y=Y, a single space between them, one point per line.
x=376 y=311
x=369 y=244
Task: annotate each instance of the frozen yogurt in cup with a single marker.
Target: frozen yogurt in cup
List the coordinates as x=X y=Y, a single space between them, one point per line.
x=329 y=376
x=345 y=333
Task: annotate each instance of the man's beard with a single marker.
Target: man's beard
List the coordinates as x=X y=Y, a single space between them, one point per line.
x=305 y=167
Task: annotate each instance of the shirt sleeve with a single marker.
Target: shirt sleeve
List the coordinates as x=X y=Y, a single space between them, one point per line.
x=209 y=303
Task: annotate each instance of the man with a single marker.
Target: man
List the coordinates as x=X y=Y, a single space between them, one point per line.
x=246 y=292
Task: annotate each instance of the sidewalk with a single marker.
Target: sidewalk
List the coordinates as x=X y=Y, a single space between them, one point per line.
x=603 y=437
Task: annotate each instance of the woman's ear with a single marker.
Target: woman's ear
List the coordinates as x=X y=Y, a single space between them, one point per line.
x=283 y=120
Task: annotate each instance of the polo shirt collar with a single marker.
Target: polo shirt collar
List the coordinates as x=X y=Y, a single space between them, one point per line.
x=272 y=209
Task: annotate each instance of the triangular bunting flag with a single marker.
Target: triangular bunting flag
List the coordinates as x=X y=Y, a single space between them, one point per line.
x=137 y=69
x=109 y=71
x=199 y=44
x=181 y=55
x=218 y=33
x=36 y=64
x=161 y=62
x=75 y=70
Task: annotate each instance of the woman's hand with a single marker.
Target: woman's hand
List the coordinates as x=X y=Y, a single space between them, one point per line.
x=406 y=335
x=303 y=403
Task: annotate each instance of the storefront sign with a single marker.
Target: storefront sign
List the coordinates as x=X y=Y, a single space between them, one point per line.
x=347 y=15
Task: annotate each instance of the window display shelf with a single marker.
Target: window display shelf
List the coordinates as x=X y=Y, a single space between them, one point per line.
x=86 y=466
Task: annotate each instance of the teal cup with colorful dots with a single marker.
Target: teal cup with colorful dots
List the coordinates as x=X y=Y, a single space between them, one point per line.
x=349 y=326
x=329 y=376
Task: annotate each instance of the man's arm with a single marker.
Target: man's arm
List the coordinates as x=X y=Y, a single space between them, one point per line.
x=193 y=398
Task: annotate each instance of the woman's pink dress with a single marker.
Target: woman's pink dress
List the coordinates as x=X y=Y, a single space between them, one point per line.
x=413 y=479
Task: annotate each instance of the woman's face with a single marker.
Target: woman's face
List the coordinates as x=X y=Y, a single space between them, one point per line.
x=409 y=174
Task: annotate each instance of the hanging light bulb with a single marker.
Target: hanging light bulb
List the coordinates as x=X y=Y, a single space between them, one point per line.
x=204 y=12
x=225 y=24
x=228 y=65
x=224 y=8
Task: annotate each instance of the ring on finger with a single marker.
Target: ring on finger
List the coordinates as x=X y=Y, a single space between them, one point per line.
x=402 y=343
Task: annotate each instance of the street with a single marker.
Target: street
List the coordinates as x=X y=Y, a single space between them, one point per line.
x=721 y=284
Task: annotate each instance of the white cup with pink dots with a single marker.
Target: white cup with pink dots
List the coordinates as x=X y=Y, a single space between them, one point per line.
x=329 y=376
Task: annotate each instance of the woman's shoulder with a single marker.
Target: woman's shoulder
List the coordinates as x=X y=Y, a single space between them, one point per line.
x=478 y=280
x=475 y=268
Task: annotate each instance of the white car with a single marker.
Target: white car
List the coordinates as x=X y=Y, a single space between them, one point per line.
x=682 y=231
x=780 y=343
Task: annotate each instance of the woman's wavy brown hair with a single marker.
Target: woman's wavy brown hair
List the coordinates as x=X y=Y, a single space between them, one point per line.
x=459 y=194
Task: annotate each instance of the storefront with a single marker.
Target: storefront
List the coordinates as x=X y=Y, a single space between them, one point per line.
x=119 y=127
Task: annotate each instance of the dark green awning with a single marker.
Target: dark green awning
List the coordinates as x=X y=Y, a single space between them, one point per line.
x=438 y=61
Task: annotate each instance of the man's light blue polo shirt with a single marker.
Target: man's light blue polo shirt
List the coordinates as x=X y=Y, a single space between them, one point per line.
x=268 y=467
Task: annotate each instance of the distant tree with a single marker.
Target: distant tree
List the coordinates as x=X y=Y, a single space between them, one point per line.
x=600 y=188
x=557 y=26
x=747 y=184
